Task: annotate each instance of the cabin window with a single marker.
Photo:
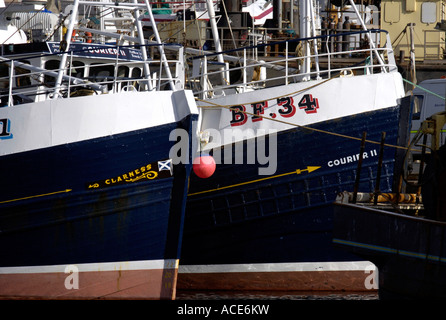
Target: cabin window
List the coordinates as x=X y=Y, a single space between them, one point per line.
x=77 y=69
x=20 y=74
x=101 y=73
x=123 y=72
x=4 y=84
x=4 y=75
x=123 y=76
x=392 y=12
x=136 y=75
x=22 y=77
x=51 y=65
x=429 y=12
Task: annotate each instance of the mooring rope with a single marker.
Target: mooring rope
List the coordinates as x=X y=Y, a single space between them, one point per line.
x=229 y=107
x=428 y=91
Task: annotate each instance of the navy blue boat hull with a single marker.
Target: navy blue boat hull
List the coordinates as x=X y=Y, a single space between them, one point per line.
x=289 y=218
x=408 y=250
x=105 y=200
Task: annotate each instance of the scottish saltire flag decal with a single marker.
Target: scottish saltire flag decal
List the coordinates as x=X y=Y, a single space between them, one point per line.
x=152 y=171
x=165 y=165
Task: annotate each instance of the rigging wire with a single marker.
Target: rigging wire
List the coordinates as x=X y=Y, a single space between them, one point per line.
x=29 y=19
x=229 y=107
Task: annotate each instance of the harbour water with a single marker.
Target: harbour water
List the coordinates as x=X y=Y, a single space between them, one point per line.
x=275 y=295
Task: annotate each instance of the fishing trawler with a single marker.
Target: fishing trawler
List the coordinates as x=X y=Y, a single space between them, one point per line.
x=92 y=198
x=260 y=216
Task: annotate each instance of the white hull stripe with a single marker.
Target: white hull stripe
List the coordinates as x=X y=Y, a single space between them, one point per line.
x=280 y=267
x=96 y=267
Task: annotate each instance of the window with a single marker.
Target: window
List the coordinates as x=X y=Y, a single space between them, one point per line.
x=136 y=75
x=51 y=65
x=429 y=12
x=77 y=69
x=392 y=12
x=20 y=74
x=4 y=75
x=101 y=73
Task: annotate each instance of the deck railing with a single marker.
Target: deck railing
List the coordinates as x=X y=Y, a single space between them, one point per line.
x=22 y=80
x=210 y=78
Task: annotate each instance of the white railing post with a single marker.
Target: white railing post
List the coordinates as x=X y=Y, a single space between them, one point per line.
x=69 y=73
x=63 y=60
x=11 y=77
x=204 y=78
x=115 y=74
x=390 y=54
x=143 y=49
x=328 y=57
x=160 y=47
x=372 y=43
x=244 y=66
x=286 y=63
x=179 y=70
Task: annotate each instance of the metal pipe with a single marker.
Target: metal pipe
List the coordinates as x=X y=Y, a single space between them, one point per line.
x=358 y=171
x=214 y=29
x=11 y=76
x=68 y=35
x=420 y=169
x=158 y=39
x=141 y=40
x=372 y=44
x=313 y=27
x=305 y=33
x=380 y=163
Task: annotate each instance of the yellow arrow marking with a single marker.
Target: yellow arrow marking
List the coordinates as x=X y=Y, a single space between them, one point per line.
x=298 y=171
x=308 y=169
x=37 y=196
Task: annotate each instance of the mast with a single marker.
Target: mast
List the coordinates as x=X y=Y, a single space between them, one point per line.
x=413 y=76
x=305 y=32
x=214 y=29
x=63 y=60
x=313 y=28
x=143 y=49
x=158 y=39
x=135 y=6
x=372 y=43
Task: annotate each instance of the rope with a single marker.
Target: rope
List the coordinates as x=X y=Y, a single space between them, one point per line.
x=424 y=89
x=230 y=28
x=229 y=107
x=277 y=97
x=301 y=126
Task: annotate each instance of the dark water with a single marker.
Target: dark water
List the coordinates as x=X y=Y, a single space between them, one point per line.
x=275 y=295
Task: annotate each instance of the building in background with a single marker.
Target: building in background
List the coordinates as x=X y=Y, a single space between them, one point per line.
x=398 y=16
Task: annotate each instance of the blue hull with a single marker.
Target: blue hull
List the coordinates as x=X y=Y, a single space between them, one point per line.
x=100 y=200
x=289 y=217
x=408 y=250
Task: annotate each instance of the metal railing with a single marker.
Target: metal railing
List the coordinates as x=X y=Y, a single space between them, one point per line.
x=433 y=50
x=363 y=60
x=22 y=82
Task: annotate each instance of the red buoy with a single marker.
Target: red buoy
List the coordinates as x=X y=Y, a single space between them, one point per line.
x=204 y=166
